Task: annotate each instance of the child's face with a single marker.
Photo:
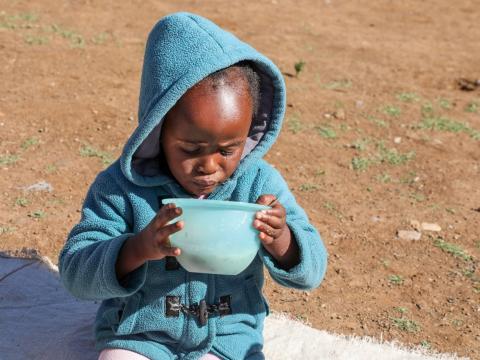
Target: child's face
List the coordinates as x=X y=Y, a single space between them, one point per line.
x=204 y=134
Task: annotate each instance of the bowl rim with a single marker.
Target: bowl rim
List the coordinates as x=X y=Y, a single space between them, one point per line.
x=215 y=204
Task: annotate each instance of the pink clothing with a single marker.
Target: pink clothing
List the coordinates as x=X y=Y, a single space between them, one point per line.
x=121 y=354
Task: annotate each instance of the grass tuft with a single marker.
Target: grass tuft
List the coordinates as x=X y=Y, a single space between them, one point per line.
x=338 y=84
x=406 y=325
x=392 y=110
x=88 y=151
x=395 y=279
x=408 y=97
x=326 y=132
x=452 y=249
x=294 y=124
x=8 y=159
x=29 y=143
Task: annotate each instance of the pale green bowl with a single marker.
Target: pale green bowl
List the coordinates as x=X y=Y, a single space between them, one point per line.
x=218 y=236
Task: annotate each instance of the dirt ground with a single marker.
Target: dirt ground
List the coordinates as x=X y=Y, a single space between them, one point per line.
x=379 y=137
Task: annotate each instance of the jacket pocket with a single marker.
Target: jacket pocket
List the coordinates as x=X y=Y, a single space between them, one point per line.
x=248 y=309
x=122 y=317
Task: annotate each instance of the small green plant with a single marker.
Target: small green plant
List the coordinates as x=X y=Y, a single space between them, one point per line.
x=50 y=168
x=307 y=187
x=392 y=110
x=472 y=107
x=36 y=40
x=384 y=178
x=294 y=124
x=29 y=143
x=409 y=178
x=427 y=109
x=338 y=84
x=385 y=262
x=408 y=97
x=319 y=172
x=8 y=159
x=76 y=39
x=361 y=144
x=401 y=310
x=392 y=156
x=444 y=124
x=332 y=209
x=395 y=279
x=100 y=39
x=21 y=20
x=6 y=229
x=379 y=122
x=452 y=249
x=457 y=322
x=299 y=67
x=418 y=197
x=361 y=164
x=37 y=214
x=444 y=103
x=326 y=132
x=406 y=325
x=88 y=151
x=451 y=211
x=425 y=344
x=475 y=134
x=21 y=201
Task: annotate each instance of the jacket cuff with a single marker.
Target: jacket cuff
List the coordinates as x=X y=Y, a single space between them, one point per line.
x=132 y=282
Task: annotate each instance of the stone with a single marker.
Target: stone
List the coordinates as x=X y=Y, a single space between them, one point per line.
x=415 y=224
x=411 y=235
x=40 y=186
x=340 y=114
x=430 y=227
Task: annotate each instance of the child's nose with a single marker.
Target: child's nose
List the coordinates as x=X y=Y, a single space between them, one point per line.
x=207 y=165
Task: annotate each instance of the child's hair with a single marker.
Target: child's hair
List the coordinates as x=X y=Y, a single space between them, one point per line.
x=243 y=71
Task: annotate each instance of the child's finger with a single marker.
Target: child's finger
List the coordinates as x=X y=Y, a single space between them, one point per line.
x=274 y=221
x=168 y=230
x=167 y=213
x=266 y=239
x=267 y=229
x=169 y=250
x=266 y=199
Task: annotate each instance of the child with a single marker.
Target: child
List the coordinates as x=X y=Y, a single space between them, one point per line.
x=210 y=107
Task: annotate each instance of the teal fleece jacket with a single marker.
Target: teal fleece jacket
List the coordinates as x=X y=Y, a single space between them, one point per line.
x=181 y=50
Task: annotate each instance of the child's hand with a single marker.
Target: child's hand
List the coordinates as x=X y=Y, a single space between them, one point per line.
x=271 y=223
x=153 y=242
x=275 y=233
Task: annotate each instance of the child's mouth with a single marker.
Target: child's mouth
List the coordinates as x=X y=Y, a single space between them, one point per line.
x=204 y=184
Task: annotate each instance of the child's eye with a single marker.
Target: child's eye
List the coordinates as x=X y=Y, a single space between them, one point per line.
x=190 y=151
x=226 y=152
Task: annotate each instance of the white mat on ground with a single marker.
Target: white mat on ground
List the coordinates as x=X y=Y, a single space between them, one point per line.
x=40 y=320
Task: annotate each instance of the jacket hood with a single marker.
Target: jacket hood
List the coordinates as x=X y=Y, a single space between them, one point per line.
x=181 y=50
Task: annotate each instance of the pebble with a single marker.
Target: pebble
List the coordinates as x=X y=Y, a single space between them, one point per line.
x=40 y=186
x=430 y=227
x=340 y=114
x=409 y=235
x=359 y=104
x=415 y=224
x=397 y=139
x=376 y=218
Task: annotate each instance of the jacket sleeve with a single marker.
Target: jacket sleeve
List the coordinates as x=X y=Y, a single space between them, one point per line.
x=309 y=272
x=87 y=261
